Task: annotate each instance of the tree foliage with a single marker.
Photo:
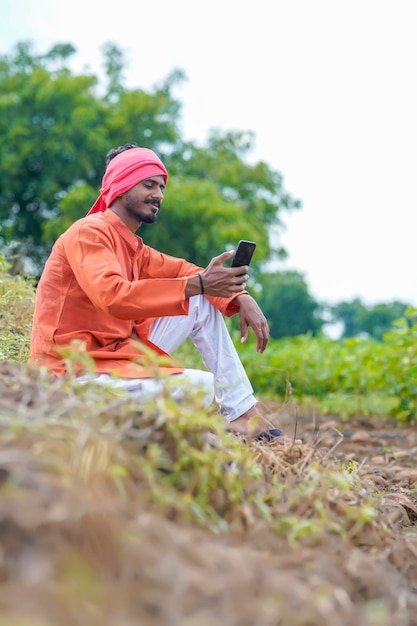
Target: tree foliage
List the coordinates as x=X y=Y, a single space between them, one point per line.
x=288 y=306
x=57 y=127
x=372 y=321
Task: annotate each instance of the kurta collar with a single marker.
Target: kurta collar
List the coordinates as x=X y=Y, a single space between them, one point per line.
x=125 y=232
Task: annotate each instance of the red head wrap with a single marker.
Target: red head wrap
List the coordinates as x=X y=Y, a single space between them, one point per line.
x=126 y=170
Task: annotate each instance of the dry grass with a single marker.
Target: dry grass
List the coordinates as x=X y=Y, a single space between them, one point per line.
x=114 y=514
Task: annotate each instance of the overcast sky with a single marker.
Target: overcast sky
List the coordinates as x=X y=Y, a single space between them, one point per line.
x=327 y=86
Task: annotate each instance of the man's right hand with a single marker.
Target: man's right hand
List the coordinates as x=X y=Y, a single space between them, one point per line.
x=218 y=280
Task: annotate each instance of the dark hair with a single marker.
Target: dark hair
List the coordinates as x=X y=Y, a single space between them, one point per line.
x=115 y=151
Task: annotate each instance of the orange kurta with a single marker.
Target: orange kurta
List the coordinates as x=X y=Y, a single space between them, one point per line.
x=100 y=284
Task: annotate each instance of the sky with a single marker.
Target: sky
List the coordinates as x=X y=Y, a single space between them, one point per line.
x=326 y=86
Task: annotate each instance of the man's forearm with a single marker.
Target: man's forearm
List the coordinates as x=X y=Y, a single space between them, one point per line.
x=195 y=286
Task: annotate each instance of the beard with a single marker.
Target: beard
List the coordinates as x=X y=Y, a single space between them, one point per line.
x=144 y=216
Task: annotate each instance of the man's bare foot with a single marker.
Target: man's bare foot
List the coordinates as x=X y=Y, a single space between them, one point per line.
x=253 y=424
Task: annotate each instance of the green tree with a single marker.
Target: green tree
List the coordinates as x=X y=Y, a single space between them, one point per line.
x=46 y=120
x=349 y=314
x=288 y=306
x=378 y=319
x=57 y=128
x=372 y=321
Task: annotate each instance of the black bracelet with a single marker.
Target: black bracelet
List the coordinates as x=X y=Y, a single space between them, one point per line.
x=201 y=283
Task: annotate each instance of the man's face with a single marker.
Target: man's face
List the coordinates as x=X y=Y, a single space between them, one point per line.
x=143 y=201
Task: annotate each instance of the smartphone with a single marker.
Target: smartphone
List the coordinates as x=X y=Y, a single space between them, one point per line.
x=244 y=253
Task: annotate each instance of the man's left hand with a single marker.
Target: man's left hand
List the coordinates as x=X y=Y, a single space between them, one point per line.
x=252 y=316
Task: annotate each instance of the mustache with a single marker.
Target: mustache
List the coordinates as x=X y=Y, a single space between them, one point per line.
x=153 y=202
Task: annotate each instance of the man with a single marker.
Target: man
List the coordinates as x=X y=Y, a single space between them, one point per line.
x=103 y=287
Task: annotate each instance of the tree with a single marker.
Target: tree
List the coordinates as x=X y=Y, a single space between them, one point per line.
x=46 y=117
x=57 y=129
x=288 y=306
x=372 y=321
x=349 y=314
x=378 y=320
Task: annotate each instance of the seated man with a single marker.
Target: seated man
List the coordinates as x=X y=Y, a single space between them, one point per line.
x=104 y=287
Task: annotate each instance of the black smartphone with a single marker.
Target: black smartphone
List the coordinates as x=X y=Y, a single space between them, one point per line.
x=244 y=253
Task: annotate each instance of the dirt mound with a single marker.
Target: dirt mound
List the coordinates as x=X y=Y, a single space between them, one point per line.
x=108 y=519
